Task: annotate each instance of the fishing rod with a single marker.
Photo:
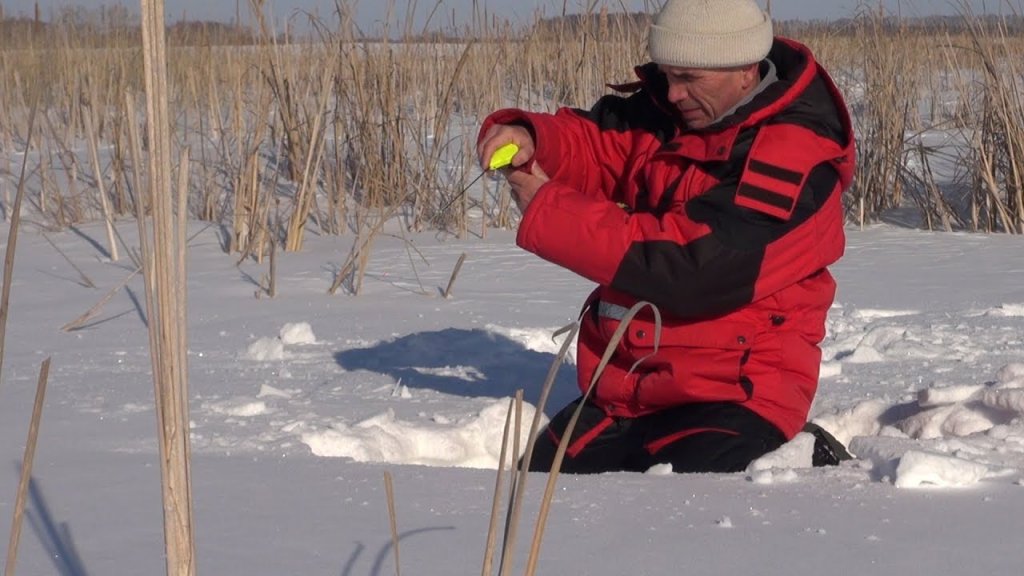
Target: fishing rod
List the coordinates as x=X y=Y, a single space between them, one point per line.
x=501 y=158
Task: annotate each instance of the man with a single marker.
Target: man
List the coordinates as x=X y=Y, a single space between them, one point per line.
x=712 y=191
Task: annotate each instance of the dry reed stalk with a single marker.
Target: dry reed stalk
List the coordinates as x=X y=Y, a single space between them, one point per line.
x=431 y=156
x=26 y=469
x=391 y=99
x=165 y=278
x=492 y=527
x=360 y=253
x=514 y=490
x=180 y=237
x=6 y=195
x=394 y=106
x=247 y=202
x=95 y=309
x=362 y=260
x=886 y=117
x=135 y=153
x=251 y=198
x=930 y=200
x=272 y=281
x=12 y=239
x=45 y=177
x=987 y=173
x=549 y=490
x=389 y=488
x=518 y=484
x=995 y=135
x=283 y=87
x=455 y=273
x=306 y=196
x=118 y=165
x=518 y=429
x=108 y=217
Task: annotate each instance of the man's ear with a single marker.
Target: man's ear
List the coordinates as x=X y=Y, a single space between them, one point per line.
x=751 y=75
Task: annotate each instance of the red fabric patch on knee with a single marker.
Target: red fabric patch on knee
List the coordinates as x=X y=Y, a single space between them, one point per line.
x=654 y=447
x=581 y=442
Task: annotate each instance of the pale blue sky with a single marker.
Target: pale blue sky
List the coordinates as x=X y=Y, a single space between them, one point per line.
x=371 y=12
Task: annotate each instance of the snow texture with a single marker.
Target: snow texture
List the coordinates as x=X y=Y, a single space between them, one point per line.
x=299 y=403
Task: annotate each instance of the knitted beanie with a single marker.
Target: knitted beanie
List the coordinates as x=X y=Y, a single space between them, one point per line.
x=710 y=34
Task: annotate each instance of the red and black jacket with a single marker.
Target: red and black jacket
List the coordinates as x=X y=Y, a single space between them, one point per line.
x=728 y=230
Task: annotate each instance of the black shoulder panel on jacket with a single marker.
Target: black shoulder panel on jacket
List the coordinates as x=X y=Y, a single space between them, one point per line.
x=745 y=229
x=717 y=273
x=815 y=109
x=634 y=112
x=699 y=280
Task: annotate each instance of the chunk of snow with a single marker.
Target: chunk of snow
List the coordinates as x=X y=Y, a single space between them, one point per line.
x=471 y=443
x=267 y=391
x=1011 y=376
x=265 y=349
x=297 y=333
x=797 y=453
x=918 y=469
x=1011 y=399
x=240 y=407
x=939 y=396
x=1007 y=311
x=660 y=470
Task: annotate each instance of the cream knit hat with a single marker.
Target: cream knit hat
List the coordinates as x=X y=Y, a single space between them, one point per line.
x=710 y=34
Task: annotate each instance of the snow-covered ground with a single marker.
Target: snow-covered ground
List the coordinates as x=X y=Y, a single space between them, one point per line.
x=300 y=403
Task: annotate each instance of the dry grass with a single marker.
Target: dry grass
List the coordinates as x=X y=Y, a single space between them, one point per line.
x=337 y=131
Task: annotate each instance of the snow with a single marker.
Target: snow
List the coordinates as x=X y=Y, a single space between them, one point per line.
x=301 y=402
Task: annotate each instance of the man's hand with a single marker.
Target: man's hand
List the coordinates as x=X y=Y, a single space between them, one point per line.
x=500 y=135
x=525 y=184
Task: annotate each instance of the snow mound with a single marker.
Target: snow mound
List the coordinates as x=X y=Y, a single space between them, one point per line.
x=917 y=469
x=797 y=453
x=273 y=348
x=239 y=407
x=1008 y=311
x=536 y=339
x=1011 y=376
x=950 y=436
x=265 y=350
x=474 y=442
x=297 y=334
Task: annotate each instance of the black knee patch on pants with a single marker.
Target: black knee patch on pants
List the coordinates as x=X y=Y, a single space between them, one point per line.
x=597 y=445
x=710 y=437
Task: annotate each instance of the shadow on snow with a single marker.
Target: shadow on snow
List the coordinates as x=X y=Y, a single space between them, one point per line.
x=473 y=363
x=55 y=537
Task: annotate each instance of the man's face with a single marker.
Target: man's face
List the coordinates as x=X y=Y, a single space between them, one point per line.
x=702 y=95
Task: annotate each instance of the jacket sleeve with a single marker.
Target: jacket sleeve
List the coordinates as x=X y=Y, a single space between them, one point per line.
x=588 y=151
x=776 y=221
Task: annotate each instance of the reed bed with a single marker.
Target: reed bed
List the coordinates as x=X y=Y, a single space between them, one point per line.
x=338 y=129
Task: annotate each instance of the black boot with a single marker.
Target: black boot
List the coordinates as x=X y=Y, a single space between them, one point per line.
x=827 y=450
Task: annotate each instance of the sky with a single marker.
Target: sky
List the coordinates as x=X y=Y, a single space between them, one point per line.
x=370 y=13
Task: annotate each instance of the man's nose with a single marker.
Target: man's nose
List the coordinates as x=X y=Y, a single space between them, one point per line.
x=677 y=93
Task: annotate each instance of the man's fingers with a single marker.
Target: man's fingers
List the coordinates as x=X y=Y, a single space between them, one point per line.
x=500 y=135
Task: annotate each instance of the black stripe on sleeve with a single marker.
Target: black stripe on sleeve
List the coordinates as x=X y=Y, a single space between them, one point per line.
x=776 y=172
x=764 y=196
